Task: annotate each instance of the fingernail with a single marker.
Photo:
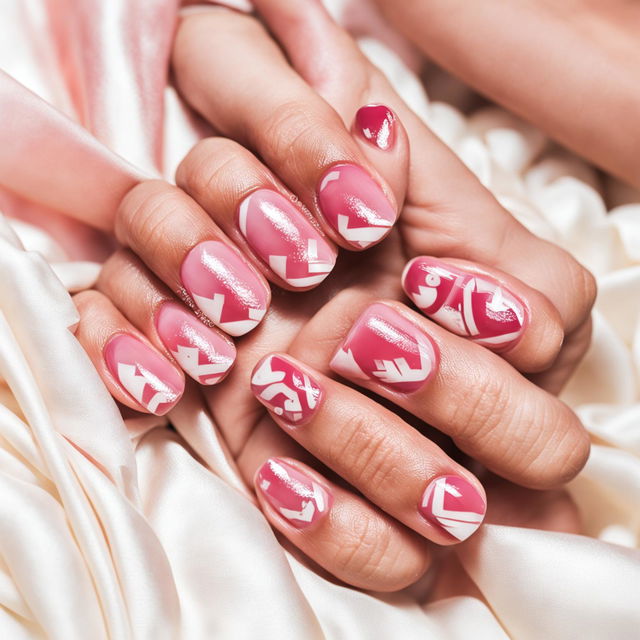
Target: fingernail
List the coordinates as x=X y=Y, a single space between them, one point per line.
x=225 y=288
x=384 y=346
x=453 y=504
x=377 y=124
x=294 y=495
x=468 y=305
x=203 y=353
x=146 y=376
x=284 y=239
x=353 y=203
x=286 y=390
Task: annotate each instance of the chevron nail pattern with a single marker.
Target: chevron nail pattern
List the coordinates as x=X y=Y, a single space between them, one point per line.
x=204 y=353
x=353 y=203
x=475 y=307
x=384 y=346
x=453 y=504
x=285 y=389
x=226 y=289
x=145 y=375
x=284 y=239
x=293 y=494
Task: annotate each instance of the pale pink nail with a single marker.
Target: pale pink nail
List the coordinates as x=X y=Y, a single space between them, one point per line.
x=476 y=307
x=202 y=352
x=353 y=203
x=285 y=389
x=297 y=497
x=146 y=376
x=384 y=346
x=225 y=288
x=284 y=239
x=453 y=504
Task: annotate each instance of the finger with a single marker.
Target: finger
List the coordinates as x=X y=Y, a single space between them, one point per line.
x=489 y=308
x=340 y=531
x=492 y=413
x=267 y=107
x=178 y=241
x=386 y=459
x=204 y=353
x=131 y=368
x=265 y=220
x=444 y=198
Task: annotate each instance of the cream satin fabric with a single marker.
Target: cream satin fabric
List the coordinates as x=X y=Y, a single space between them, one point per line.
x=114 y=530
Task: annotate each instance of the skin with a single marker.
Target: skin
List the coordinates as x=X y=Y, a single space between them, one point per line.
x=305 y=127
x=588 y=69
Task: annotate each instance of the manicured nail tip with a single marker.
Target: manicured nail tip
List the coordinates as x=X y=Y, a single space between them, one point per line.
x=383 y=346
x=205 y=354
x=145 y=375
x=296 y=496
x=353 y=203
x=224 y=287
x=286 y=390
x=454 y=505
x=284 y=239
x=377 y=124
x=472 y=306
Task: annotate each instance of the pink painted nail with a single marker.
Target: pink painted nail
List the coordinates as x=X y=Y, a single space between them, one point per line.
x=468 y=305
x=353 y=203
x=377 y=124
x=384 y=346
x=294 y=495
x=453 y=504
x=146 y=376
x=285 y=240
x=203 y=353
x=285 y=389
x=225 y=288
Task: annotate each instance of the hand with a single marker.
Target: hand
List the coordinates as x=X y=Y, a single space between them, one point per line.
x=233 y=408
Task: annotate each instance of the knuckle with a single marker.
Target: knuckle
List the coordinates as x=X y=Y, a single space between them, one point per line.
x=364 y=550
x=207 y=162
x=483 y=403
x=374 y=555
x=294 y=128
x=148 y=216
x=365 y=450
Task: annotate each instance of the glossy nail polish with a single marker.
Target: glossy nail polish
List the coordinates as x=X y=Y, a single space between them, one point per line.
x=146 y=376
x=353 y=203
x=453 y=504
x=285 y=389
x=384 y=346
x=294 y=495
x=284 y=239
x=476 y=307
x=205 y=354
x=377 y=124
x=225 y=288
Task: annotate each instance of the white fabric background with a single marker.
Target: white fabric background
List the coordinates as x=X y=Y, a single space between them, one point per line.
x=114 y=530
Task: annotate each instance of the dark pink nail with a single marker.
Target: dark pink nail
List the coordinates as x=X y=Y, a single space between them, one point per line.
x=294 y=495
x=285 y=389
x=453 y=504
x=285 y=240
x=377 y=124
x=202 y=352
x=353 y=203
x=146 y=376
x=468 y=305
x=225 y=288
x=384 y=346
